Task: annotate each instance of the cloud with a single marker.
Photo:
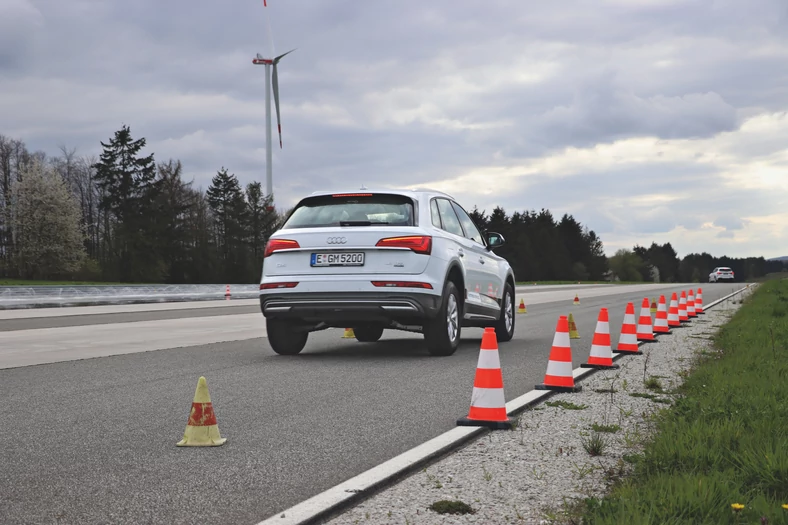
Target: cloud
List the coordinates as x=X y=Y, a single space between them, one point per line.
x=647 y=120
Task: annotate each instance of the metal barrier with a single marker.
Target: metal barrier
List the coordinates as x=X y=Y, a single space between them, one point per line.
x=12 y=297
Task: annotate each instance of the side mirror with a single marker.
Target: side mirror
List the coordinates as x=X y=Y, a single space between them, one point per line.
x=494 y=240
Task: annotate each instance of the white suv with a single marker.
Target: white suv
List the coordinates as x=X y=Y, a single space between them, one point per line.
x=375 y=260
x=721 y=273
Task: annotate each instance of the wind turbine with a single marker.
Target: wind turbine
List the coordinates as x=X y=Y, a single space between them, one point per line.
x=269 y=77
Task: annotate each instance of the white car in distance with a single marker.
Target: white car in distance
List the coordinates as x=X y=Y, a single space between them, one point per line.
x=721 y=273
x=375 y=260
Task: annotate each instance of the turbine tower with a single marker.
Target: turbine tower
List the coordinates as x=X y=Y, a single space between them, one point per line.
x=270 y=77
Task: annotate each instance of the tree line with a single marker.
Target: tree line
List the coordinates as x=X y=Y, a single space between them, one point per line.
x=124 y=217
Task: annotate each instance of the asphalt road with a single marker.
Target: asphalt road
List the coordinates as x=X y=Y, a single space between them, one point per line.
x=93 y=440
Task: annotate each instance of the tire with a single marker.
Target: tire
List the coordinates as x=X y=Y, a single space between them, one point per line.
x=283 y=338
x=504 y=328
x=368 y=334
x=442 y=333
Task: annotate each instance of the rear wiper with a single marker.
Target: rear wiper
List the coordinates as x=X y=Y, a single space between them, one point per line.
x=360 y=223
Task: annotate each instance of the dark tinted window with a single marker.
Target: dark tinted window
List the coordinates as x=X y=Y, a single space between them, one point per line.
x=359 y=209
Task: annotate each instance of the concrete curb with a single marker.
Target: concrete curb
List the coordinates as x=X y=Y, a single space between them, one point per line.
x=333 y=501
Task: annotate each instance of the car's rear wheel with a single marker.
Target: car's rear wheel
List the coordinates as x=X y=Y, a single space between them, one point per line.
x=284 y=338
x=368 y=334
x=442 y=333
x=504 y=328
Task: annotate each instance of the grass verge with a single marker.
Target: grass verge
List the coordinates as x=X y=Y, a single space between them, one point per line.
x=725 y=441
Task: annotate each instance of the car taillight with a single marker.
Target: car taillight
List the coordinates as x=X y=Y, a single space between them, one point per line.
x=401 y=284
x=418 y=243
x=276 y=286
x=279 y=244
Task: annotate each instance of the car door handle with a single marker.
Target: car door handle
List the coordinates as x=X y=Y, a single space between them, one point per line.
x=462 y=253
x=481 y=260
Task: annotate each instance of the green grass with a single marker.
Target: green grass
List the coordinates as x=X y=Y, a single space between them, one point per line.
x=725 y=440
x=526 y=283
x=566 y=405
x=26 y=282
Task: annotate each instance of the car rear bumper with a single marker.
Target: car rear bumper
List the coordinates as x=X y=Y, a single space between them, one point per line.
x=344 y=308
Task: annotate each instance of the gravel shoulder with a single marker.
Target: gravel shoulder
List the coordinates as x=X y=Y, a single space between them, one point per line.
x=536 y=472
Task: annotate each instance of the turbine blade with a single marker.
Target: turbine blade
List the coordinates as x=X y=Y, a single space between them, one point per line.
x=275 y=82
x=277 y=59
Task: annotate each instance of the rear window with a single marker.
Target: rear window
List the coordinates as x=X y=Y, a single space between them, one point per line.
x=356 y=209
x=725 y=269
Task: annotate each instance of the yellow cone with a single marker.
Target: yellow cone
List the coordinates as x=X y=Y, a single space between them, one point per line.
x=522 y=309
x=653 y=306
x=201 y=429
x=349 y=334
x=573 y=334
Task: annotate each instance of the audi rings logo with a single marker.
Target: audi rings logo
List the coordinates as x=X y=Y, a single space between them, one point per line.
x=336 y=240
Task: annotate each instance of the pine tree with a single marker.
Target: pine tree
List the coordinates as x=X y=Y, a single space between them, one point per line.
x=229 y=210
x=129 y=192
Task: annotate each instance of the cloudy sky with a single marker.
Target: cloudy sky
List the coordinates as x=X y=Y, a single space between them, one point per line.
x=648 y=120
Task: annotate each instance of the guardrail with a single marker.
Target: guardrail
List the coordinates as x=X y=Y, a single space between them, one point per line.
x=13 y=297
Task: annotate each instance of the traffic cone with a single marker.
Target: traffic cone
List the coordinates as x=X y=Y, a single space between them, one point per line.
x=201 y=429
x=683 y=317
x=227 y=293
x=522 y=309
x=627 y=341
x=601 y=356
x=654 y=307
x=488 y=403
x=673 y=312
x=349 y=334
x=573 y=334
x=490 y=290
x=699 y=302
x=477 y=289
x=645 y=330
x=559 y=368
x=691 y=305
x=661 y=322
x=577 y=300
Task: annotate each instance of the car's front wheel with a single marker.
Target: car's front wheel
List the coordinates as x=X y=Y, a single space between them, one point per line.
x=442 y=333
x=368 y=334
x=283 y=337
x=504 y=328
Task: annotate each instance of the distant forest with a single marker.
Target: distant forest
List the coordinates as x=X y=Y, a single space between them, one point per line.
x=124 y=217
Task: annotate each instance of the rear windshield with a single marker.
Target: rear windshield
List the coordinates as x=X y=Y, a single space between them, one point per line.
x=357 y=209
x=725 y=269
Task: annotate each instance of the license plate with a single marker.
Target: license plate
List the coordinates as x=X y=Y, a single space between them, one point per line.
x=337 y=259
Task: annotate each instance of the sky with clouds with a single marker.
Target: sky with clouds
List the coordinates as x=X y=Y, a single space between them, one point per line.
x=648 y=120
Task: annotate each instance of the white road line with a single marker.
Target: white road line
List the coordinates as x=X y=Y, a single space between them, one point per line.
x=52 y=345
x=30 y=313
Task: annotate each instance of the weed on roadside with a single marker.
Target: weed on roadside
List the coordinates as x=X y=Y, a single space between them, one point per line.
x=595 y=444
x=451 y=507
x=566 y=405
x=610 y=429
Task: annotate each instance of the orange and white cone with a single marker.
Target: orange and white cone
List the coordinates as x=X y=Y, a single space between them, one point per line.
x=522 y=309
x=628 y=341
x=227 y=293
x=488 y=403
x=490 y=291
x=661 y=321
x=673 y=312
x=691 y=305
x=699 y=302
x=645 y=331
x=201 y=429
x=601 y=356
x=683 y=317
x=559 y=375
x=577 y=300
